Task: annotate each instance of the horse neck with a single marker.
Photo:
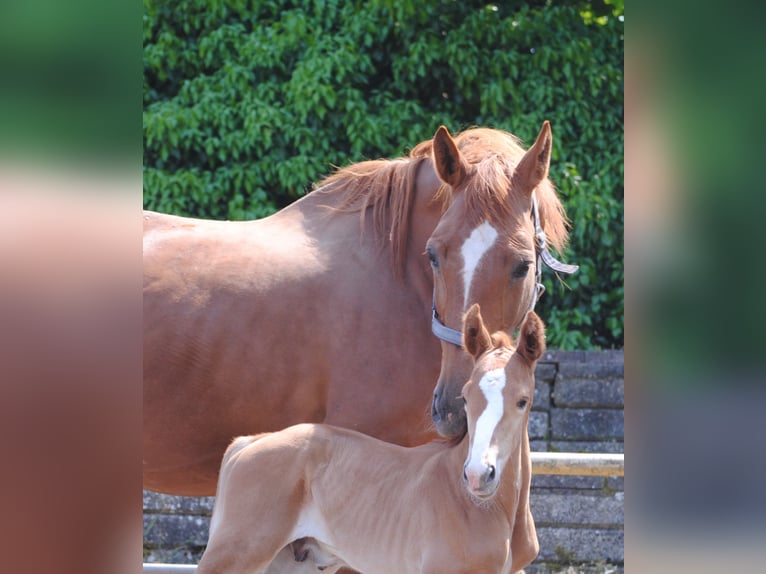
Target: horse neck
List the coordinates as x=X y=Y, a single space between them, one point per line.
x=424 y=217
x=514 y=479
x=423 y=214
x=448 y=468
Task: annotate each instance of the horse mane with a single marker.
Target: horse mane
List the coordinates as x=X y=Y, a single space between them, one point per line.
x=387 y=187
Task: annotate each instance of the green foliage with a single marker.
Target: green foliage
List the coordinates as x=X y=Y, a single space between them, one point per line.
x=247 y=103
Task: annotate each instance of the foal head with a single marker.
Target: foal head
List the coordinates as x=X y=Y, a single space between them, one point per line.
x=497 y=397
x=483 y=249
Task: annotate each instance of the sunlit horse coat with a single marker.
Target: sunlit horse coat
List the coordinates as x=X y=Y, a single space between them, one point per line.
x=322 y=312
x=379 y=508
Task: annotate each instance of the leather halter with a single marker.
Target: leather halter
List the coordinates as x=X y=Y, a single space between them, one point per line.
x=454 y=336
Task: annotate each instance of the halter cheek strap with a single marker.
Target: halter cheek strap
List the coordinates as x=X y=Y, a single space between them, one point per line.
x=442 y=331
x=454 y=336
x=542 y=245
x=544 y=255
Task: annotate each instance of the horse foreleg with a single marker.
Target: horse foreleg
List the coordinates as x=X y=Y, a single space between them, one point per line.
x=242 y=557
x=243 y=550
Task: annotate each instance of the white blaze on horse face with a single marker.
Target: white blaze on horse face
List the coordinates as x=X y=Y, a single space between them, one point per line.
x=474 y=248
x=482 y=452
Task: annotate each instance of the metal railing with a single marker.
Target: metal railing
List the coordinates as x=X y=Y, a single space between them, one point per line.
x=570 y=463
x=169 y=568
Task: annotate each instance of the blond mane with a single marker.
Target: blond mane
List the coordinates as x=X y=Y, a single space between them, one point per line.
x=388 y=188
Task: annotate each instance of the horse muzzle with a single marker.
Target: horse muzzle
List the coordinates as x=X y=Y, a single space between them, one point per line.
x=449 y=418
x=482 y=481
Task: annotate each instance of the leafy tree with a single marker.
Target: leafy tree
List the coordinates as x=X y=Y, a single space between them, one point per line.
x=246 y=103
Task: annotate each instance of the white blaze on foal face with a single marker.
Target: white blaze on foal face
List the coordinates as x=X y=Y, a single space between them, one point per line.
x=483 y=452
x=473 y=249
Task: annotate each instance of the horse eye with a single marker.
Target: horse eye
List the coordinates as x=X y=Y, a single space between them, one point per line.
x=522 y=403
x=432 y=258
x=521 y=269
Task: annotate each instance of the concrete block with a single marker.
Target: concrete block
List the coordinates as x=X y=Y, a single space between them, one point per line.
x=586 y=509
x=613 y=446
x=538 y=445
x=175 y=530
x=581 y=544
x=542 y=397
x=588 y=364
x=587 y=424
x=616 y=483
x=546 y=371
x=168 y=504
x=552 y=481
x=581 y=392
x=538 y=425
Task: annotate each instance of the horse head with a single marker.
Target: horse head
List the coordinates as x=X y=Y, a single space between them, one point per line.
x=497 y=398
x=485 y=249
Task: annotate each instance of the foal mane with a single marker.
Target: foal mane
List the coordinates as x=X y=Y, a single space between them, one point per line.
x=501 y=340
x=387 y=187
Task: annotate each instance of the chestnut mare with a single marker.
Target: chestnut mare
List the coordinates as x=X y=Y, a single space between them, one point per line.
x=322 y=312
x=441 y=507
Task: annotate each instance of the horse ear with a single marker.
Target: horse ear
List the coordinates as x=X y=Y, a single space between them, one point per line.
x=531 y=343
x=533 y=167
x=476 y=338
x=449 y=162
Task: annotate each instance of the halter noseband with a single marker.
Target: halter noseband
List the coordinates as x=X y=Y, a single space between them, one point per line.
x=454 y=336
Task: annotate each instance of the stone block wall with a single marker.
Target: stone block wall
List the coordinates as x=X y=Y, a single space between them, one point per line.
x=578 y=407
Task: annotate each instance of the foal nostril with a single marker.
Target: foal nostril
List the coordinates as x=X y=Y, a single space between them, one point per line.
x=491 y=473
x=465 y=474
x=434 y=411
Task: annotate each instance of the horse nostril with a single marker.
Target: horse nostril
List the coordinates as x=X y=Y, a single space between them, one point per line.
x=465 y=475
x=434 y=411
x=491 y=473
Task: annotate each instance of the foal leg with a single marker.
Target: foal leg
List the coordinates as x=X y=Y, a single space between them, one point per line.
x=303 y=556
x=312 y=557
x=242 y=553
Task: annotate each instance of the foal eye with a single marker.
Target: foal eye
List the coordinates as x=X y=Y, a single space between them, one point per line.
x=521 y=269
x=522 y=404
x=432 y=258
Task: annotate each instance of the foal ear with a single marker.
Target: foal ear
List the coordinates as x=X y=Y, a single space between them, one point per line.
x=533 y=167
x=476 y=338
x=531 y=343
x=449 y=162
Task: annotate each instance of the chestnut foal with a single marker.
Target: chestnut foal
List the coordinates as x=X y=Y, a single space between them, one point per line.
x=377 y=507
